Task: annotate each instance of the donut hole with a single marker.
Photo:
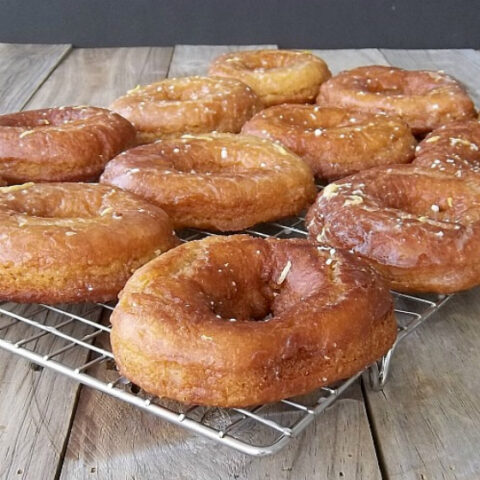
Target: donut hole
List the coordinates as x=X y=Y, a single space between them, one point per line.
x=54 y=117
x=257 y=281
x=201 y=155
x=442 y=199
x=307 y=117
x=188 y=89
x=183 y=90
x=399 y=82
x=267 y=60
x=81 y=203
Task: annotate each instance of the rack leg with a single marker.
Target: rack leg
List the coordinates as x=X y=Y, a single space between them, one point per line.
x=378 y=372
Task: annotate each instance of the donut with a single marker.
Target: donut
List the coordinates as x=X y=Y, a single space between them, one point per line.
x=219 y=182
x=453 y=148
x=233 y=321
x=424 y=99
x=276 y=76
x=335 y=142
x=176 y=106
x=65 y=144
x=75 y=242
x=419 y=227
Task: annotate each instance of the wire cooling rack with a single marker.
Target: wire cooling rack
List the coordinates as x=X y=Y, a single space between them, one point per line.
x=74 y=340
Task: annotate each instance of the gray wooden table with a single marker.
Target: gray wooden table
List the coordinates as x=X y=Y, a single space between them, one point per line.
x=424 y=425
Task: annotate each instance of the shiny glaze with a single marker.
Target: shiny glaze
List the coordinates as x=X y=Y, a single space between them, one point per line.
x=418 y=226
x=276 y=76
x=424 y=99
x=176 y=106
x=75 y=242
x=216 y=181
x=60 y=144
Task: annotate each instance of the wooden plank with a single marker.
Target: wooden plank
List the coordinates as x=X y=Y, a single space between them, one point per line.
x=110 y=439
x=97 y=76
x=346 y=59
x=23 y=68
x=462 y=64
x=195 y=59
x=36 y=407
x=427 y=421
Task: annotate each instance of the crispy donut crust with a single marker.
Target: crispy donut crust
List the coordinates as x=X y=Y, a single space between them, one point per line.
x=453 y=148
x=419 y=227
x=335 y=142
x=185 y=325
x=65 y=144
x=176 y=106
x=424 y=99
x=217 y=182
x=75 y=242
x=277 y=76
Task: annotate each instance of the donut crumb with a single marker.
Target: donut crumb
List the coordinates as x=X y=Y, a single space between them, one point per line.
x=284 y=273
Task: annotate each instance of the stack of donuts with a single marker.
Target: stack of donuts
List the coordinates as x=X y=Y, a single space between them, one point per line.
x=92 y=200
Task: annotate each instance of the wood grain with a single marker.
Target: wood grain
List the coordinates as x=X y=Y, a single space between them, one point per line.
x=427 y=420
x=34 y=434
x=346 y=59
x=111 y=440
x=97 y=76
x=23 y=68
x=36 y=405
x=194 y=59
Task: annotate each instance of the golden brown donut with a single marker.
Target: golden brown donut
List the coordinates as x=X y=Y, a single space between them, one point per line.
x=335 y=142
x=419 y=227
x=424 y=99
x=453 y=148
x=75 y=242
x=67 y=144
x=217 y=182
x=237 y=321
x=187 y=105
x=277 y=76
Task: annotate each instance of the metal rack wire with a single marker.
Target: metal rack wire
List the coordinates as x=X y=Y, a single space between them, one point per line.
x=74 y=341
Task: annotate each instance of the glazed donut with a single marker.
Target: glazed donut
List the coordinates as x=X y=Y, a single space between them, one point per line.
x=187 y=105
x=67 y=144
x=419 y=227
x=335 y=142
x=75 y=242
x=238 y=321
x=453 y=148
x=424 y=99
x=277 y=76
x=217 y=182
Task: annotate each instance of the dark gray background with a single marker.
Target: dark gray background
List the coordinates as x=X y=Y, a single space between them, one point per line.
x=288 y=23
